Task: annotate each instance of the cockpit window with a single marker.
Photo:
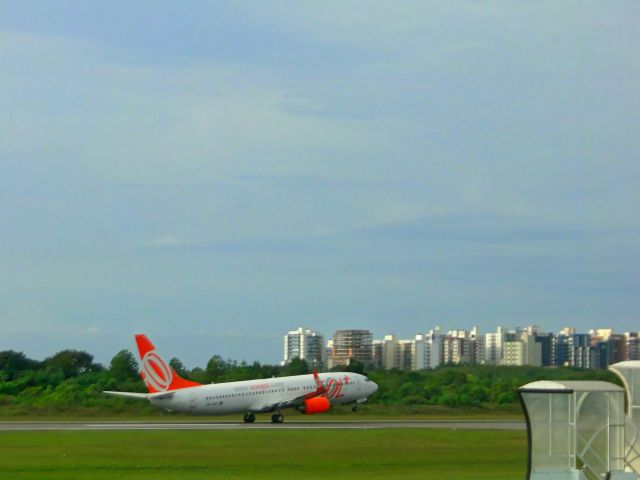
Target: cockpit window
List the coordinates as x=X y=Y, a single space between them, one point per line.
x=367 y=380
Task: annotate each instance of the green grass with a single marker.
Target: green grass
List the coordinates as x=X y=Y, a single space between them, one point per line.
x=264 y=454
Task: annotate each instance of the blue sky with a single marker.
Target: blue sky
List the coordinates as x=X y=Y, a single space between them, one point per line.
x=217 y=173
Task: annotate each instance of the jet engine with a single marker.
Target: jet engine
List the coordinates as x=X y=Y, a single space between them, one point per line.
x=315 y=405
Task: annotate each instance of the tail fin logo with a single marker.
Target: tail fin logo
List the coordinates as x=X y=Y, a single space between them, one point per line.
x=156 y=373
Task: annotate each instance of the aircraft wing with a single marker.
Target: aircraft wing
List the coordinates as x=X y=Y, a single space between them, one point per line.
x=293 y=401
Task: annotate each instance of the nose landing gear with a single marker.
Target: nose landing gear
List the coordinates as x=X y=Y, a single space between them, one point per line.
x=356 y=406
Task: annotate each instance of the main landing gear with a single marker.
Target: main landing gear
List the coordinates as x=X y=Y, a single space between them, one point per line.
x=275 y=418
x=249 y=417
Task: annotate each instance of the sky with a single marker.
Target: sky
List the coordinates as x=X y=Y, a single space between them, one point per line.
x=215 y=174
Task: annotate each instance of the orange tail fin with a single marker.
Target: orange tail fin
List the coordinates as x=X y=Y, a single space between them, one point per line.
x=158 y=376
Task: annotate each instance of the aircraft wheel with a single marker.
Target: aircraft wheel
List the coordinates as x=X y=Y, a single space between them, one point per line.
x=354 y=408
x=249 y=418
x=277 y=418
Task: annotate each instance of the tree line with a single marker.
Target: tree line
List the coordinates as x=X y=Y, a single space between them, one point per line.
x=71 y=379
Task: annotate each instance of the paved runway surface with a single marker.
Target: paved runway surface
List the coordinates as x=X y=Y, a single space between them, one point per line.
x=444 y=424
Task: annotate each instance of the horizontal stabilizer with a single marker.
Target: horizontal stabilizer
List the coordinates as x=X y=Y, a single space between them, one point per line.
x=127 y=394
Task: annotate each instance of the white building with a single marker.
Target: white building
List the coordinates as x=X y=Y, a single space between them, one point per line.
x=493 y=347
x=395 y=353
x=306 y=344
x=460 y=347
x=525 y=351
x=424 y=351
x=390 y=355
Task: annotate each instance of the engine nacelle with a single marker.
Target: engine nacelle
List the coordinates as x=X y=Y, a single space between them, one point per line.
x=315 y=405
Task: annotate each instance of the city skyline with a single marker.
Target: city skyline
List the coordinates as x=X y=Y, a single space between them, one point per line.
x=179 y=344
x=506 y=346
x=211 y=173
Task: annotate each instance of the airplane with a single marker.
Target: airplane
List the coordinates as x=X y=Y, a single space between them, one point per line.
x=308 y=394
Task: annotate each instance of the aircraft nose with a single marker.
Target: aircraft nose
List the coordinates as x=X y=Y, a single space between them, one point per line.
x=374 y=387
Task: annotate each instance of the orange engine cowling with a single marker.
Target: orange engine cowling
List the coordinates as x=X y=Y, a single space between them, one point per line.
x=315 y=405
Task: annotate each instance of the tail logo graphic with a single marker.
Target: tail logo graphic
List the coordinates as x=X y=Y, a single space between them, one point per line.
x=156 y=372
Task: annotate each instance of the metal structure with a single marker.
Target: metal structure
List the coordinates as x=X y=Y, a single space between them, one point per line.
x=576 y=429
x=581 y=430
x=629 y=373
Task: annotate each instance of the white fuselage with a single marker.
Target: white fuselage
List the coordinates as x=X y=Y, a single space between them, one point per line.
x=262 y=395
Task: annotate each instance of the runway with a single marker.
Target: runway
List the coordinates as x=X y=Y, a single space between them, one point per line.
x=294 y=425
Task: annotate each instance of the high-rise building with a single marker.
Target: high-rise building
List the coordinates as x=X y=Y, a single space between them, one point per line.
x=426 y=351
x=419 y=353
x=493 y=347
x=632 y=345
x=434 y=339
x=607 y=348
x=306 y=344
x=460 y=346
x=525 y=351
x=405 y=355
x=579 y=348
x=571 y=349
x=390 y=355
x=351 y=344
x=476 y=346
x=600 y=334
x=545 y=339
x=376 y=354
x=560 y=349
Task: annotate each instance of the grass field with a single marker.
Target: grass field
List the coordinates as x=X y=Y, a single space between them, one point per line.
x=265 y=454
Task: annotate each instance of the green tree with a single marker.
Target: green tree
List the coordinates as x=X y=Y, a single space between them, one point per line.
x=124 y=366
x=217 y=367
x=268 y=371
x=409 y=389
x=507 y=397
x=12 y=363
x=297 y=366
x=355 y=366
x=198 y=375
x=71 y=362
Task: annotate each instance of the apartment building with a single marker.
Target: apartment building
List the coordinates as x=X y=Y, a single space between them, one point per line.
x=306 y=344
x=351 y=344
